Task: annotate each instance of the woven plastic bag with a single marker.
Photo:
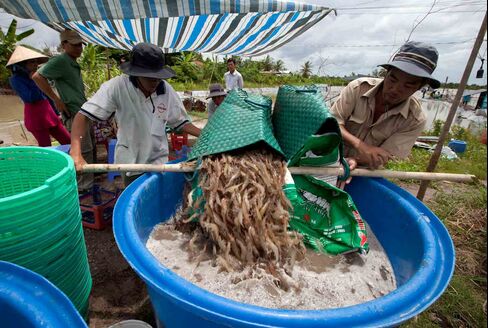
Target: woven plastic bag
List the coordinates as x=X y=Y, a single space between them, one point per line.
x=310 y=136
x=242 y=120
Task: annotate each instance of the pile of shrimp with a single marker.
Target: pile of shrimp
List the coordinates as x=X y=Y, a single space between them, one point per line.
x=244 y=224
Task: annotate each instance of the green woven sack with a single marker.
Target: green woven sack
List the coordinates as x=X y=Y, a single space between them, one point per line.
x=241 y=120
x=300 y=112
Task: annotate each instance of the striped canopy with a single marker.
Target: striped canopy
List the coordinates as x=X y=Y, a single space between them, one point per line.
x=227 y=27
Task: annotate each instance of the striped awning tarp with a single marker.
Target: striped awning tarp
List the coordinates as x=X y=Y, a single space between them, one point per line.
x=230 y=27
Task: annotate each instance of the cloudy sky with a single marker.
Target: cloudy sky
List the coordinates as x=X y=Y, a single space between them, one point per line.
x=365 y=33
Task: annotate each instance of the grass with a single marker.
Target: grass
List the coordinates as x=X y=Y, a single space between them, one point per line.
x=472 y=161
x=462 y=209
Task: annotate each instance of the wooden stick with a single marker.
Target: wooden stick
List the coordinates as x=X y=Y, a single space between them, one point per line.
x=330 y=170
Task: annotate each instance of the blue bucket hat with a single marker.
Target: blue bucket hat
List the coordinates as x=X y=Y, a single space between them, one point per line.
x=417 y=59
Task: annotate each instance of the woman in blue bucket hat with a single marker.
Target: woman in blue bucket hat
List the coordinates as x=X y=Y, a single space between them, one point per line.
x=380 y=119
x=143 y=104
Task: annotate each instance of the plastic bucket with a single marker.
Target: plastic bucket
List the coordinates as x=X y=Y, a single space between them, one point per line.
x=417 y=243
x=457 y=146
x=40 y=219
x=131 y=324
x=31 y=301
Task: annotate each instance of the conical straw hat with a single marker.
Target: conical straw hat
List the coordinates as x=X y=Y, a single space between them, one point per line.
x=21 y=54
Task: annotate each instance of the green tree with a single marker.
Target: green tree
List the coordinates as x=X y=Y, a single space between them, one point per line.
x=186 y=67
x=279 y=66
x=306 y=70
x=97 y=66
x=92 y=58
x=8 y=41
x=268 y=64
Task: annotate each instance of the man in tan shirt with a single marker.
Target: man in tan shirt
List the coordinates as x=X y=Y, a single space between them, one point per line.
x=379 y=118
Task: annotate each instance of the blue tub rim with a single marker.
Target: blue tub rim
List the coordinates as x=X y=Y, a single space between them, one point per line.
x=146 y=265
x=45 y=301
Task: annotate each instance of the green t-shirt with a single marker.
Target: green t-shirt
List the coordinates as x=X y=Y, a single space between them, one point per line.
x=66 y=74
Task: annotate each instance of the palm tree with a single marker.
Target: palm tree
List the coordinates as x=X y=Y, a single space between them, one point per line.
x=8 y=42
x=306 y=70
x=267 y=64
x=279 y=66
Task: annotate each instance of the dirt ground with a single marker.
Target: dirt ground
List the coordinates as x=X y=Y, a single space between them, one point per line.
x=118 y=293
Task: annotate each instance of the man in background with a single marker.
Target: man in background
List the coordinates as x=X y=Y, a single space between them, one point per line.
x=65 y=72
x=233 y=79
x=217 y=95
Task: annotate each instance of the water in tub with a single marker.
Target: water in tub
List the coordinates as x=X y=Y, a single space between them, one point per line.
x=325 y=281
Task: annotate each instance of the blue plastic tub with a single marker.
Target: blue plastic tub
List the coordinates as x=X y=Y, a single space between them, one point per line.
x=28 y=300
x=417 y=243
x=457 y=146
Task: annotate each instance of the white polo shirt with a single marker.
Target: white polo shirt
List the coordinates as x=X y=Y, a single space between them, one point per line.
x=233 y=80
x=141 y=135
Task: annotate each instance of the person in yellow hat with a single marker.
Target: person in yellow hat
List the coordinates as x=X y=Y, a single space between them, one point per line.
x=39 y=117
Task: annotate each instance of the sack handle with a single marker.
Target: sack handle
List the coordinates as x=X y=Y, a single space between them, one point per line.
x=306 y=91
x=347 y=170
x=250 y=102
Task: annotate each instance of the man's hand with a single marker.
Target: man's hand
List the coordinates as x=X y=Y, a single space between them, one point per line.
x=61 y=107
x=373 y=157
x=78 y=160
x=45 y=87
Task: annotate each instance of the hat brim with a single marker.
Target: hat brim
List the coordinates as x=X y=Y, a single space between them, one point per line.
x=414 y=70
x=216 y=94
x=163 y=73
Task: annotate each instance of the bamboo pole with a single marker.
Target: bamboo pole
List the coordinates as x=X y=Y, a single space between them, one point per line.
x=447 y=125
x=331 y=170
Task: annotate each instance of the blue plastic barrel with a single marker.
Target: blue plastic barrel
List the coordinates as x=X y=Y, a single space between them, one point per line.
x=457 y=146
x=28 y=300
x=417 y=243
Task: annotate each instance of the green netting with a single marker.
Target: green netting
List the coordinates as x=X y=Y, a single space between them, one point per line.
x=300 y=112
x=40 y=219
x=241 y=120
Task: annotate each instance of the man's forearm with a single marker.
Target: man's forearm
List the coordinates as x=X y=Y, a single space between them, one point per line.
x=44 y=85
x=349 y=138
x=78 y=130
x=191 y=129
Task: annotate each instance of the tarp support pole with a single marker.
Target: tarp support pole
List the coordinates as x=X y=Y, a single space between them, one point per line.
x=447 y=125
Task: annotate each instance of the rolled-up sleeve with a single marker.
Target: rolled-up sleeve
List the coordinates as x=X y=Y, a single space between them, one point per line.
x=102 y=105
x=400 y=143
x=344 y=106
